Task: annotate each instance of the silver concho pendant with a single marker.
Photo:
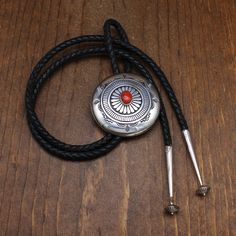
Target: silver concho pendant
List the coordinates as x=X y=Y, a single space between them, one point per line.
x=125 y=105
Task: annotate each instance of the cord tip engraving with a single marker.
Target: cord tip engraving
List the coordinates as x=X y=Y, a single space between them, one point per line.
x=172 y=209
x=203 y=190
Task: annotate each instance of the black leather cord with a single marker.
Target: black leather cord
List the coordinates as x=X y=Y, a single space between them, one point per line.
x=116 y=47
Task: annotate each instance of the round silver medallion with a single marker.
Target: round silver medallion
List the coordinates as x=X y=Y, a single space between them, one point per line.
x=125 y=105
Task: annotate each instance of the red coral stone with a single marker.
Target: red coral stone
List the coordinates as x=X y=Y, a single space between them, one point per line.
x=126 y=97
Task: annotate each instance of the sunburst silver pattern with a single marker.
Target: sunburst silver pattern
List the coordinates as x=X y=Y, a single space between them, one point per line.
x=125 y=105
x=122 y=108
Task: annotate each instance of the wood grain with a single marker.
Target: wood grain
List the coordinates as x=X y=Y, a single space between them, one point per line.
x=124 y=192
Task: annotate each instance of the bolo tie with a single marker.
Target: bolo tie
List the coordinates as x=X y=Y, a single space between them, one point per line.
x=126 y=104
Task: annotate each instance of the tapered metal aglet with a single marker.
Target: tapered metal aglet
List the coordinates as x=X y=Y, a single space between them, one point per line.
x=203 y=189
x=171 y=208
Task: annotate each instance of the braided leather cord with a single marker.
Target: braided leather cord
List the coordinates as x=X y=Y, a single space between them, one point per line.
x=117 y=47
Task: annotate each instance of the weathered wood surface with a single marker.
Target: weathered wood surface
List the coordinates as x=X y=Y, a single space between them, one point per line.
x=124 y=192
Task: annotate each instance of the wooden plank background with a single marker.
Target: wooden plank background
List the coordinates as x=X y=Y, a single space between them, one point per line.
x=124 y=192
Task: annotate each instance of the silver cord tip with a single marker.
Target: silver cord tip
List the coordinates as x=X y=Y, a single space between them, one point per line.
x=172 y=209
x=203 y=190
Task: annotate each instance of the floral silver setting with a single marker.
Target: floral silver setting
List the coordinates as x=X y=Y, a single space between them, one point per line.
x=125 y=105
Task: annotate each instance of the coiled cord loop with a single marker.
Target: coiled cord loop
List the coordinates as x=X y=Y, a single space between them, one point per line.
x=117 y=47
